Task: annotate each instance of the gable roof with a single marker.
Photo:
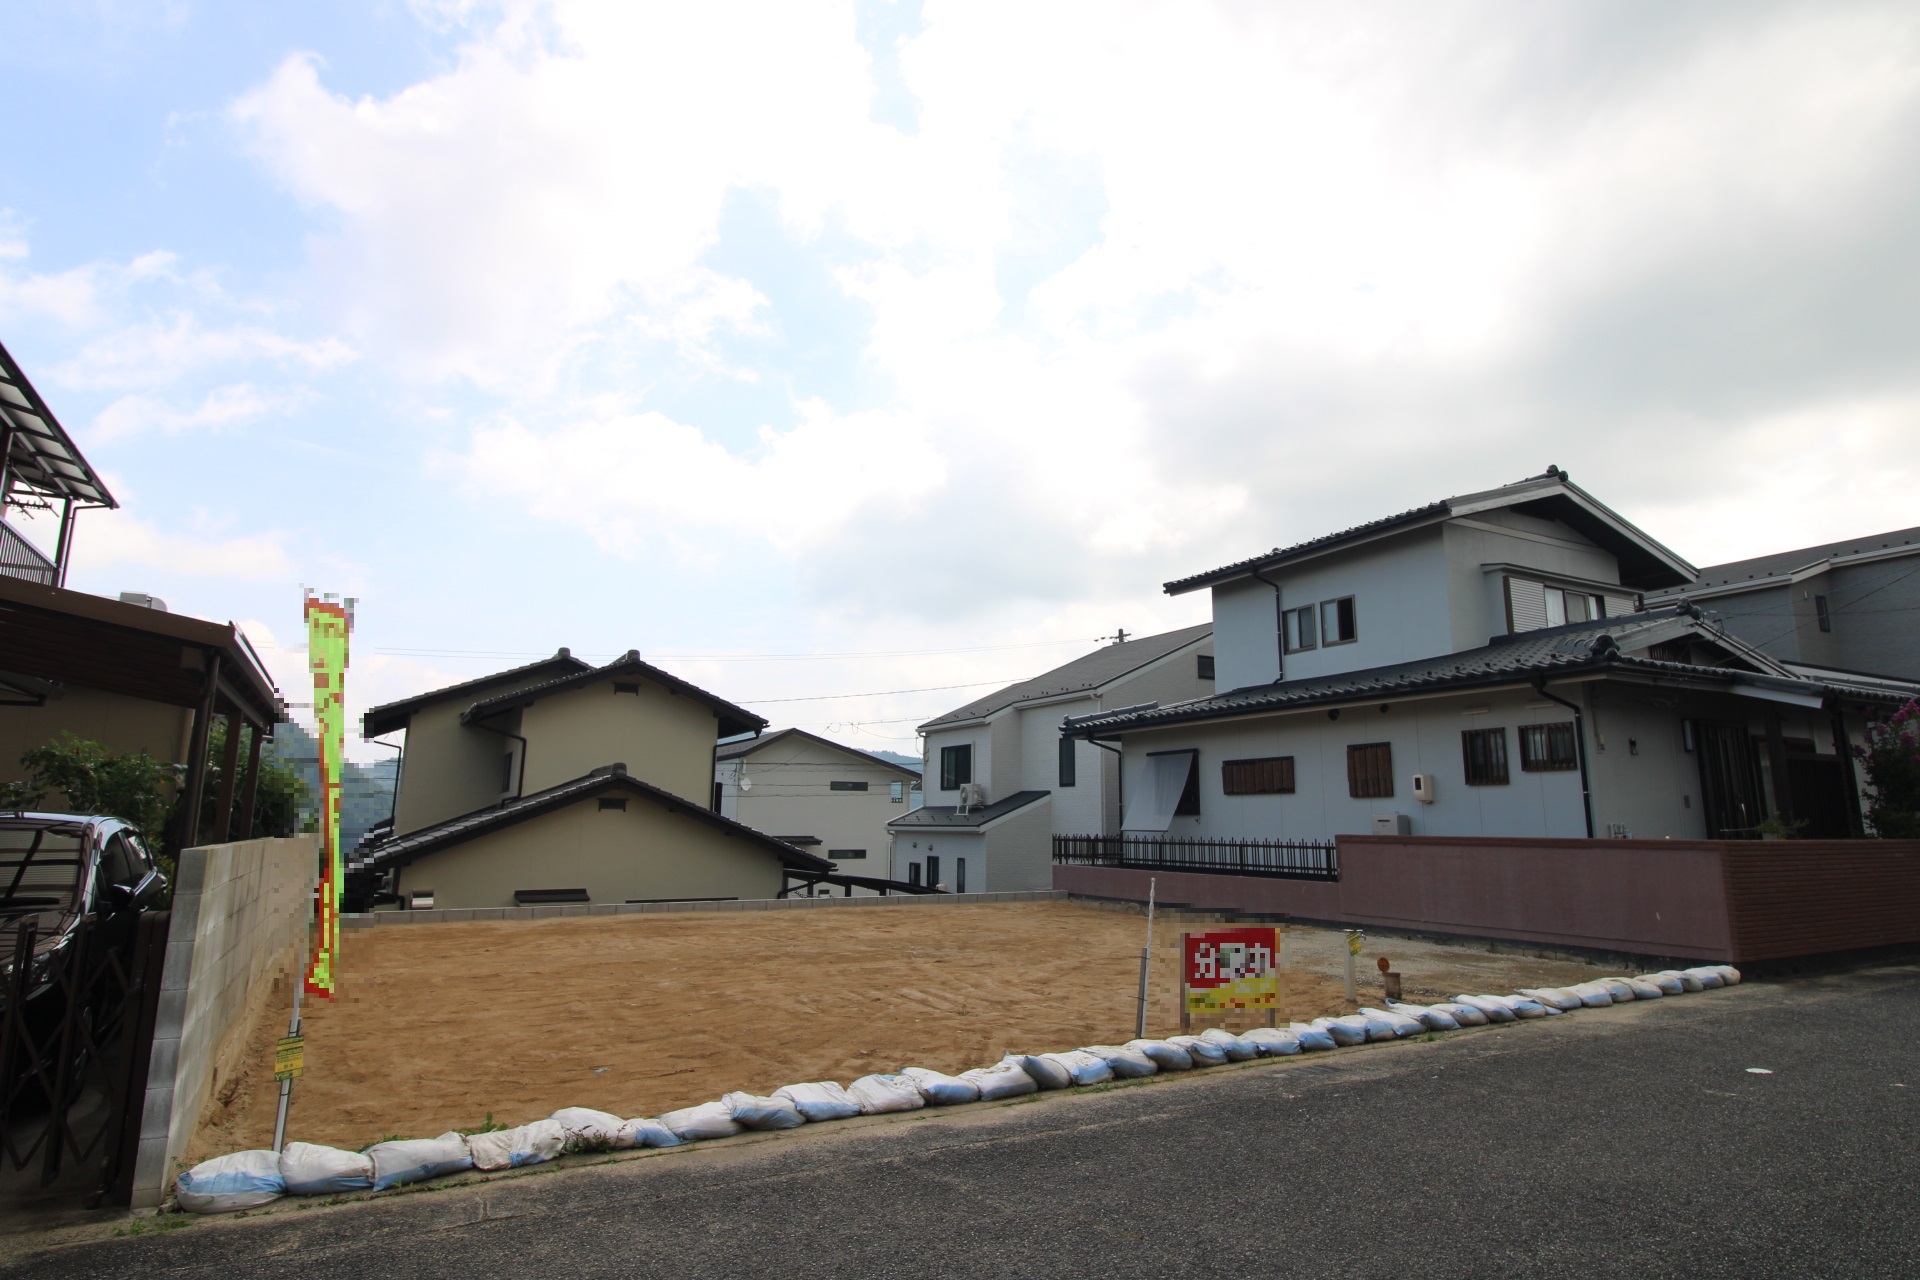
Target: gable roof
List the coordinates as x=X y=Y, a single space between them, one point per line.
x=733 y=720
x=749 y=746
x=1644 y=563
x=454 y=831
x=1782 y=566
x=390 y=716
x=1082 y=675
x=1553 y=653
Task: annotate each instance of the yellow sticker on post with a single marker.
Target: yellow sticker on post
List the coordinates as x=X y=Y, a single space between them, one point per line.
x=289 y=1057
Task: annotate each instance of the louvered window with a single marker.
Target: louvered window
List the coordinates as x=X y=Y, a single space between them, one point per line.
x=1267 y=776
x=1370 y=770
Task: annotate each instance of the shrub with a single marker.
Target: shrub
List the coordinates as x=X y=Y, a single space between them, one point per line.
x=1891 y=761
x=137 y=789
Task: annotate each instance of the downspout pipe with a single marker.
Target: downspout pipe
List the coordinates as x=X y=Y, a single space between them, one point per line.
x=1579 y=746
x=1279 y=629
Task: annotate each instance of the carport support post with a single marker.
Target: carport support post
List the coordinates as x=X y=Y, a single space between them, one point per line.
x=255 y=734
x=223 y=799
x=196 y=781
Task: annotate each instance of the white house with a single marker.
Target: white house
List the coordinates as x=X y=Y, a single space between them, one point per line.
x=1480 y=667
x=803 y=790
x=1026 y=781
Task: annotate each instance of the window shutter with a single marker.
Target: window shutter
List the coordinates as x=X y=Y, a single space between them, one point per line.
x=1370 y=770
x=1526 y=604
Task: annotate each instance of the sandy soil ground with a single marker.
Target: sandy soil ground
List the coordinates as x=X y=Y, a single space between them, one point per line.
x=439 y=1025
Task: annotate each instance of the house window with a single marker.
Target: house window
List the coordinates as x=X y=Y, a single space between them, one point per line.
x=1821 y=613
x=1300 y=630
x=1203 y=666
x=913 y=873
x=1573 y=606
x=1370 y=770
x=1484 y=753
x=1546 y=748
x=619 y=804
x=844 y=855
x=625 y=687
x=896 y=791
x=1337 y=621
x=959 y=875
x=1266 y=776
x=956 y=766
x=1066 y=762
x=933 y=871
x=1188 y=805
x=846 y=786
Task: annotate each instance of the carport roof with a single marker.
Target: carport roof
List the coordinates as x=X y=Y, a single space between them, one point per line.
x=442 y=835
x=41 y=456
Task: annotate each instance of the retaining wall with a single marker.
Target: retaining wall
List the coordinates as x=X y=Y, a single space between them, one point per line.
x=240 y=919
x=1728 y=901
x=446 y=915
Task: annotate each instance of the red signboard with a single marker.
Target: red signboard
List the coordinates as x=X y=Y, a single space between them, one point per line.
x=1231 y=968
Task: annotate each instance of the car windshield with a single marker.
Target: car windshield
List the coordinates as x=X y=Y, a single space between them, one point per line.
x=40 y=869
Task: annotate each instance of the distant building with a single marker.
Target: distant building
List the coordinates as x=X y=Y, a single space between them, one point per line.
x=1842 y=606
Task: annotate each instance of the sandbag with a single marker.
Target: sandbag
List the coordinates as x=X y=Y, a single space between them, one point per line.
x=1524 y=1007
x=414 y=1160
x=1374 y=1028
x=1667 y=984
x=1273 y=1042
x=534 y=1143
x=1592 y=994
x=1046 y=1073
x=821 y=1100
x=941 y=1089
x=645 y=1133
x=1082 y=1067
x=1205 y=1053
x=882 y=1093
x=706 y=1121
x=1495 y=1011
x=1707 y=975
x=1429 y=1016
x=1687 y=981
x=1728 y=974
x=1644 y=990
x=1004 y=1079
x=1345 y=1033
x=1619 y=988
x=1402 y=1024
x=1239 y=1048
x=1125 y=1063
x=1167 y=1057
x=755 y=1112
x=310 y=1170
x=588 y=1129
x=1464 y=1014
x=225 y=1184
x=1553 y=997
x=1311 y=1038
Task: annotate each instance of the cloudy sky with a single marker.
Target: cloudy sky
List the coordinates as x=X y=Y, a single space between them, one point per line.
x=827 y=350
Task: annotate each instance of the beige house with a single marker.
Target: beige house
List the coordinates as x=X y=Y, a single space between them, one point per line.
x=565 y=782
x=817 y=795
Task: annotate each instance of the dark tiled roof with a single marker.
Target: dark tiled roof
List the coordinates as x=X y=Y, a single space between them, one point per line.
x=1644 y=563
x=393 y=715
x=733 y=720
x=442 y=835
x=1760 y=568
x=1550 y=653
x=943 y=815
x=748 y=746
x=1082 y=675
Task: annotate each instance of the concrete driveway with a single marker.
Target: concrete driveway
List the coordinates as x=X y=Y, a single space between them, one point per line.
x=1632 y=1141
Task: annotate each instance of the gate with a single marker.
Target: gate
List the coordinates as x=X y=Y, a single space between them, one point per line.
x=74 y=1057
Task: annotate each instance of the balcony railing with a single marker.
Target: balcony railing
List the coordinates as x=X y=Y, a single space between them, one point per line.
x=1283 y=859
x=21 y=559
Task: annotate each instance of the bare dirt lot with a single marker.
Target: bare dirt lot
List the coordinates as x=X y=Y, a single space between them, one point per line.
x=438 y=1025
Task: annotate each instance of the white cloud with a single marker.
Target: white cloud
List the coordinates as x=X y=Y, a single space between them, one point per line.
x=157 y=353
x=227 y=406
x=118 y=540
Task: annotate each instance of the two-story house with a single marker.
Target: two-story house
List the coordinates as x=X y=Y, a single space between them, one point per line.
x=1849 y=606
x=815 y=794
x=564 y=782
x=1479 y=667
x=1025 y=780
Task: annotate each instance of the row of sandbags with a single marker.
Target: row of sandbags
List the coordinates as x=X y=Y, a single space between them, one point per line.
x=249 y=1179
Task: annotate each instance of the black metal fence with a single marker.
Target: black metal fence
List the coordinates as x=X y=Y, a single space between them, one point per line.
x=76 y=1038
x=1284 y=859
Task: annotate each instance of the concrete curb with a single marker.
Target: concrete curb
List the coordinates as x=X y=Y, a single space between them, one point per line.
x=461 y=915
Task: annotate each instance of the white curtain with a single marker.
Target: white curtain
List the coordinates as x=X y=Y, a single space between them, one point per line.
x=1151 y=806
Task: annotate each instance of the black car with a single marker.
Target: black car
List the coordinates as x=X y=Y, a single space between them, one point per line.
x=58 y=873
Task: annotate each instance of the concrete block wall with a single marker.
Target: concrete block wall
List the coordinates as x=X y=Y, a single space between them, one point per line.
x=448 y=915
x=240 y=917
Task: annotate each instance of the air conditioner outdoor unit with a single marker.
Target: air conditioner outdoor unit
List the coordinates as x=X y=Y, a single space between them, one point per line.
x=1392 y=824
x=972 y=796
x=1423 y=788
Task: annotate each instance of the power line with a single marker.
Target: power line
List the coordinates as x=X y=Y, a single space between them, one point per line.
x=877 y=693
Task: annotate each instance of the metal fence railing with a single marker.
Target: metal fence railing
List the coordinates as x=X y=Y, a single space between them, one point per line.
x=1285 y=859
x=21 y=559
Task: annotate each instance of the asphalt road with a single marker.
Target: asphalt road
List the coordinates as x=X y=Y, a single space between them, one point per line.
x=1625 y=1142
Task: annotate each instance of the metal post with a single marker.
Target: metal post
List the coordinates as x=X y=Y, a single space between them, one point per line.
x=63 y=549
x=252 y=790
x=196 y=780
x=1146 y=960
x=229 y=768
x=286 y=1086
